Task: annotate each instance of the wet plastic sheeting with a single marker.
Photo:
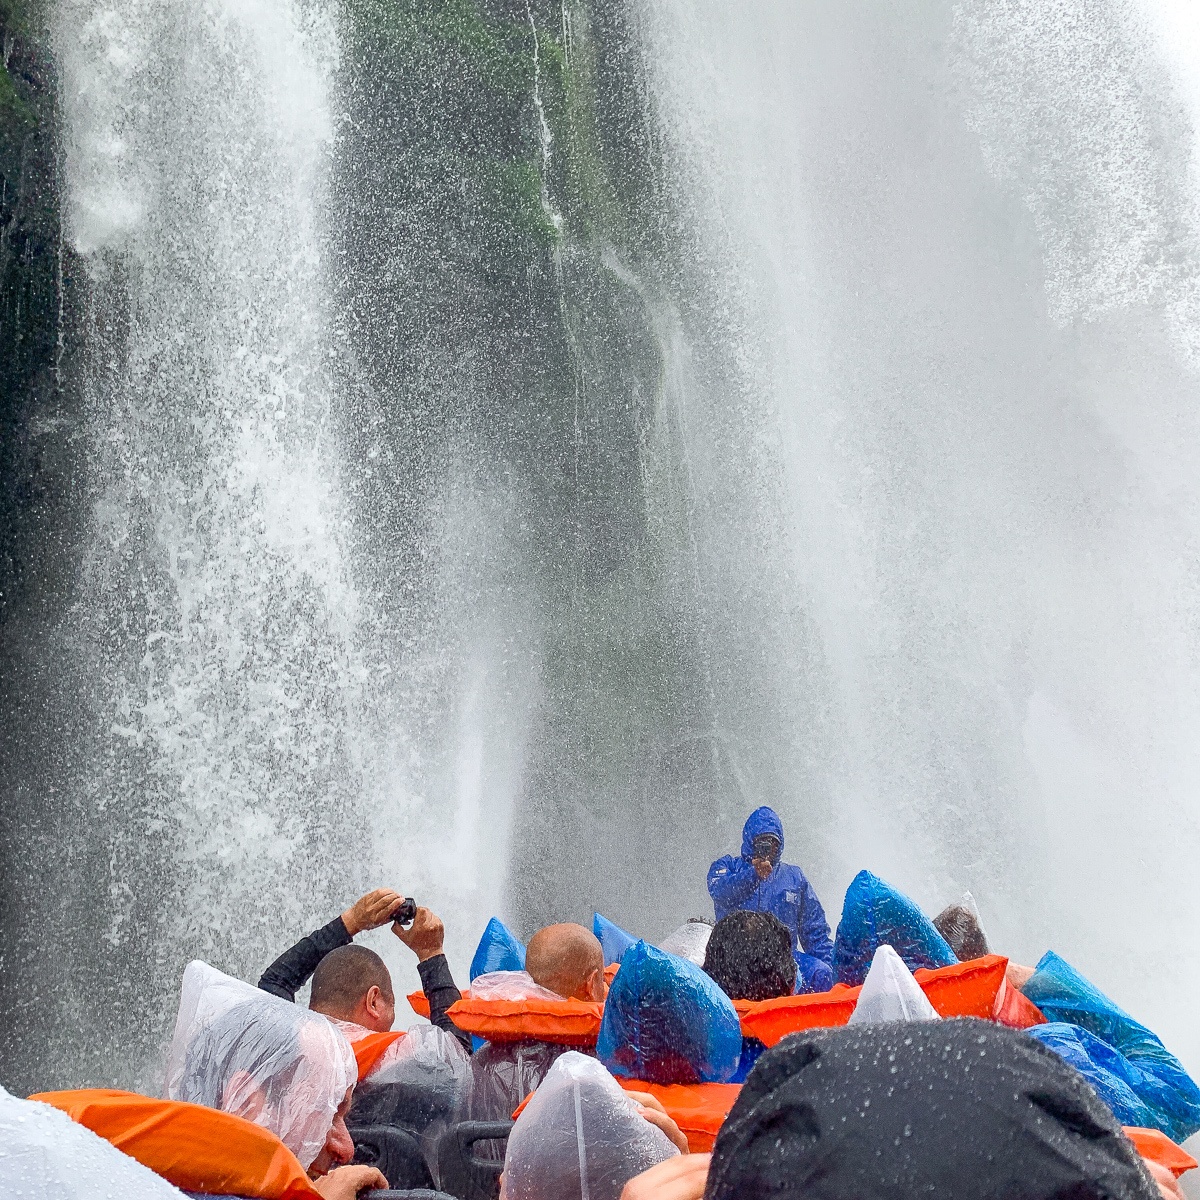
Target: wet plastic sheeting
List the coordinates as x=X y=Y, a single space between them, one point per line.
x=510 y=985
x=498 y=950
x=689 y=941
x=1158 y=1079
x=580 y=1138
x=1116 y=1080
x=890 y=993
x=666 y=1021
x=248 y=1053
x=613 y=939
x=502 y=1075
x=964 y=1109
x=44 y=1155
x=418 y=1084
x=875 y=913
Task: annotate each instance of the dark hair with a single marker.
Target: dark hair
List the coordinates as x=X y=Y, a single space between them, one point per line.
x=750 y=956
x=344 y=977
x=957 y=924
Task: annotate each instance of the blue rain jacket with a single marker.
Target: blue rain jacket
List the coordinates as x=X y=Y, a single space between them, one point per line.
x=734 y=884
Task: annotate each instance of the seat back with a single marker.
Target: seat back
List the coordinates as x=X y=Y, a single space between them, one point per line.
x=395 y=1152
x=465 y=1173
x=407 y=1105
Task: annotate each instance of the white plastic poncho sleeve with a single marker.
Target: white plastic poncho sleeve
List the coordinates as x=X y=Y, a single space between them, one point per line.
x=580 y=1137
x=44 y=1155
x=252 y=1054
x=890 y=993
x=689 y=941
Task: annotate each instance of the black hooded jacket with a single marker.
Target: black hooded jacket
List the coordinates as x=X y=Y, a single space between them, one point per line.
x=961 y=1109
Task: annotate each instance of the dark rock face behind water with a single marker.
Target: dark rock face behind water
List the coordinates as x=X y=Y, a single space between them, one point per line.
x=49 y=874
x=502 y=343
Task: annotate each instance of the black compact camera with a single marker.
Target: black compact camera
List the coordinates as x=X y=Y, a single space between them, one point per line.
x=406 y=913
x=766 y=845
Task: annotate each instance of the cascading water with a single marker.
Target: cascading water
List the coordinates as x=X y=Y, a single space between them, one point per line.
x=949 y=260
x=512 y=440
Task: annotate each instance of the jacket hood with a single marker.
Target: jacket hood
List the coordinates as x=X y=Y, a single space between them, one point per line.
x=760 y=821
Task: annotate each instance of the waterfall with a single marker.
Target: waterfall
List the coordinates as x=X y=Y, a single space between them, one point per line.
x=943 y=270
x=493 y=447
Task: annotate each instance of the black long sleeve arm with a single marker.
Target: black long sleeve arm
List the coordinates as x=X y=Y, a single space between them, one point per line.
x=294 y=967
x=441 y=991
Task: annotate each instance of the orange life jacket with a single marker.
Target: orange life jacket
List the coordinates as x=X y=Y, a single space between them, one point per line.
x=562 y=1022
x=195 y=1148
x=1158 y=1148
x=420 y=1003
x=1015 y=1009
x=370 y=1049
x=772 y=1020
x=699 y=1109
x=976 y=988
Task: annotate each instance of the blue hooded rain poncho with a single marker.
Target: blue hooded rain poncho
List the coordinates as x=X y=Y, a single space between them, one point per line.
x=734 y=884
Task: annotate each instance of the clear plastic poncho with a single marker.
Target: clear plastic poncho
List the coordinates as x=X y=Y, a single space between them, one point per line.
x=890 y=993
x=252 y=1054
x=44 y=1155
x=580 y=1137
x=689 y=941
x=509 y=985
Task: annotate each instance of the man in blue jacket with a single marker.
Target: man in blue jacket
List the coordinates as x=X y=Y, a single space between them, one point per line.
x=757 y=881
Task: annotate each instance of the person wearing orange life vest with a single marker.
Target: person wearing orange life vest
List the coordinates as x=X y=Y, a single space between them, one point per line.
x=351 y=983
x=241 y=1051
x=564 y=961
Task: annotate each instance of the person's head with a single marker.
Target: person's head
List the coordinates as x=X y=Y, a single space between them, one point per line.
x=962 y=1108
x=579 y=1136
x=338 y=1148
x=750 y=956
x=353 y=983
x=251 y=1054
x=957 y=924
x=569 y=960
x=762 y=835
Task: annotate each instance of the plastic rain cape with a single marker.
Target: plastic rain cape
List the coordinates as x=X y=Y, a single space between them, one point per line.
x=890 y=993
x=44 y=1155
x=689 y=941
x=873 y=913
x=251 y=1054
x=666 y=1021
x=580 y=1138
x=499 y=950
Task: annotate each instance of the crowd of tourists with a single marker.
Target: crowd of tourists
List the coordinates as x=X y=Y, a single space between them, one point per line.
x=748 y=1055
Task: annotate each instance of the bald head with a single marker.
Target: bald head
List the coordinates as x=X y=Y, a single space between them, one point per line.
x=567 y=959
x=353 y=983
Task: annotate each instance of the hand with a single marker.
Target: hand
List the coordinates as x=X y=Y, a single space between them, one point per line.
x=763 y=867
x=681 y=1178
x=1168 y=1185
x=344 y=1183
x=424 y=937
x=371 y=911
x=651 y=1108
